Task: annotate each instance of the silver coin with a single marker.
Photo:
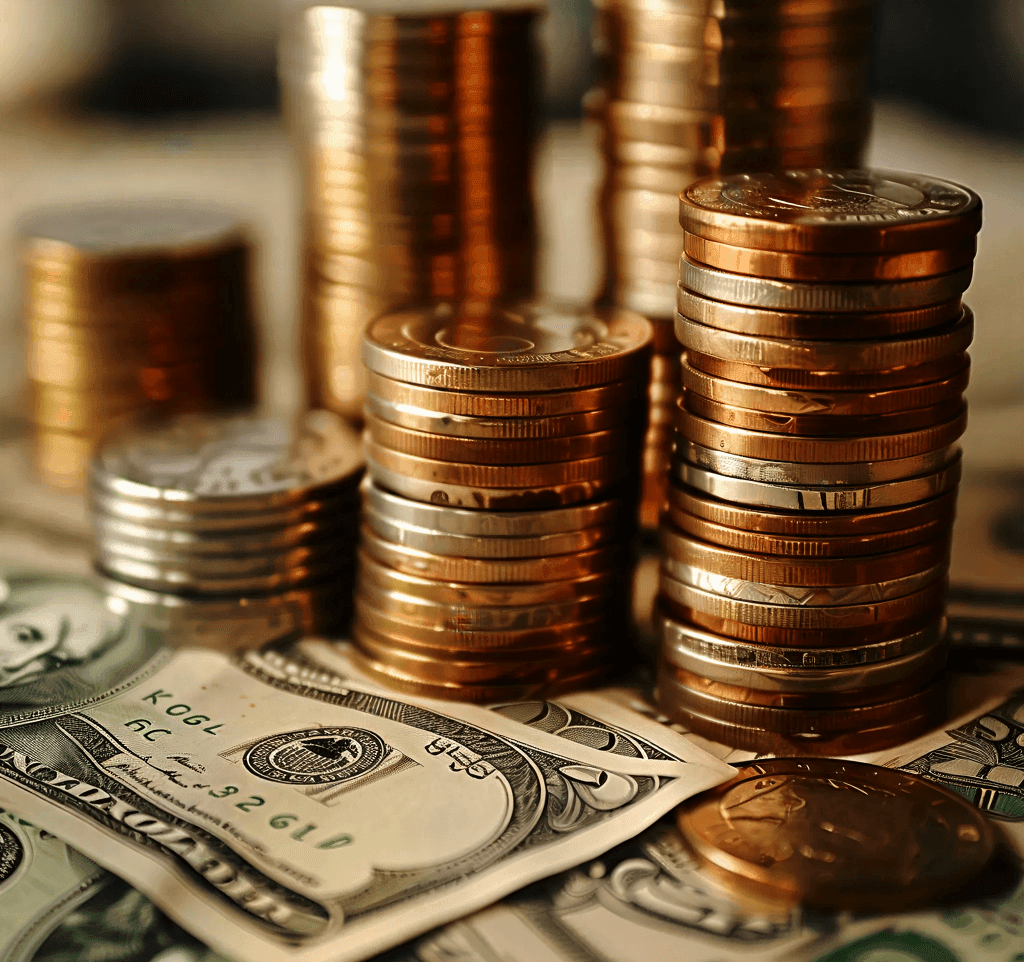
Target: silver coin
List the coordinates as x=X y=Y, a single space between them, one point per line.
x=815 y=596
x=679 y=638
x=256 y=541
x=417 y=611
x=229 y=462
x=475 y=546
x=487 y=524
x=850 y=474
x=953 y=338
x=806 y=681
x=811 y=498
x=811 y=296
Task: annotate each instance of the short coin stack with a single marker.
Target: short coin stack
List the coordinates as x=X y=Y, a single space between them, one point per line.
x=129 y=308
x=416 y=134
x=502 y=452
x=230 y=529
x=806 y=550
x=690 y=88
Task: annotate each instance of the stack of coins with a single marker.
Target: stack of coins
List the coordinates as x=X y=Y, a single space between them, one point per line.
x=690 y=89
x=806 y=548
x=502 y=451
x=129 y=308
x=230 y=529
x=416 y=135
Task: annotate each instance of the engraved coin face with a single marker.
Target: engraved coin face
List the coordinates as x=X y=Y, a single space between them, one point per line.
x=838 y=835
x=229 y=456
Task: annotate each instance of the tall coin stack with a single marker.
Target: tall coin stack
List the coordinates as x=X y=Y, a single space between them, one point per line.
x=691 y=88
x=502 y=451
x=230 y=530
x=806 y=549
x=130 y=308
x=416 y=136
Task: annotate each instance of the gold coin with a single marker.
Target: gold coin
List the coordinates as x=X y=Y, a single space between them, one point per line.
x=62 y=459
x=815 y=807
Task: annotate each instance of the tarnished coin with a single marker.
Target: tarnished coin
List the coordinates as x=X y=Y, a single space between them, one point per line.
x=515 y=350
x=810 y=296
x=837 y=830
x=222 y=462
x=859 y=326
x=839 y=212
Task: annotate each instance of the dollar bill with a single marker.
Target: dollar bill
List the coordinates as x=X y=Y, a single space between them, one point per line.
x=278 y=808
x=56 y=905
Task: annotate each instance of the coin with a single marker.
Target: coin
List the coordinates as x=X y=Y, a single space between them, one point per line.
x=838 y=212
x=812 y=498
x=820 y=450
x=490 y=571
x=763 y=322
x=837 y=830
x=787 y=265
x=845 y=356
x=809 y=297
x=513 y=350
x=840 y=404
x=874 y=570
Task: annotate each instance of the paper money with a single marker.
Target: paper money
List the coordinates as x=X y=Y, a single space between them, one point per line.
x=56 y=905
x=278 y=808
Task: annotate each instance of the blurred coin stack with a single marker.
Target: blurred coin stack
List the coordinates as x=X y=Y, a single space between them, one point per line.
x=812 y=499
x=230 y=529
x=502 y=451
x=131 y=308
x=416 y=136
x=690 y=88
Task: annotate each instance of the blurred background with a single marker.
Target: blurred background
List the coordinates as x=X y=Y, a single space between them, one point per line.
x=105 y=99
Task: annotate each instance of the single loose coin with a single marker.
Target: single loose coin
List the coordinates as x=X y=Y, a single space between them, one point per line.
x=512 y=350
x=819 y=450
x=486 y=524
x=837 y=830
x=494 y=452
x=428 y=564
x=825 y=425
x=786 y=265
x=853 y=474
x=764 y=322
x=465 y=404
x=462 y=426
x=819 y=498
x=817 y=380
x=678 y=637
x=222 y=462
x=808 y=296
x=805 y=618
x=841 y=404
x=839 y=212
x=846 y=356
x=864 y=570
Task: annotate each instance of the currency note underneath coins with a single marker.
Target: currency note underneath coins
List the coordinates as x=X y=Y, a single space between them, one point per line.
x=281 y=810
x=56 y=905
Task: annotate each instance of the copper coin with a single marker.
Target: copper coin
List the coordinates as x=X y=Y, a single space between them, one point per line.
x=860 y=326
x=847 y=356
x=515 y=350
x=837 y=830
x=861 y=570
x=826 y=404
x=488 y=571
x=786 y=265
x=490 y=451
x=786 y=378
x=832 y=211
x=762 y=445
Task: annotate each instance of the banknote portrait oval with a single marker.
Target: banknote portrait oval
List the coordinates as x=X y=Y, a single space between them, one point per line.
x=12 y=852
x=316 y=756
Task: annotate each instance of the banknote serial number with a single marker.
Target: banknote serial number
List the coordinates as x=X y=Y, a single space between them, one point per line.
x=182 y=713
